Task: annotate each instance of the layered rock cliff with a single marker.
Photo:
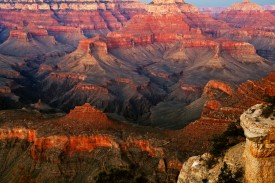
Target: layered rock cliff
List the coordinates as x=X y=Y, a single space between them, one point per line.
x=250 y=161
x=67 y=21
x=223 y=105
x=70 y=5
x=40 y=145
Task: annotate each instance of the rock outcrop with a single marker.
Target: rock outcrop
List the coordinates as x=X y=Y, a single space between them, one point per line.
x=208 y=168
x=258 y=123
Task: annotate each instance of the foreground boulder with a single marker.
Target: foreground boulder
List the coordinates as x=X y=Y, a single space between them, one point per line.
x=259 y=126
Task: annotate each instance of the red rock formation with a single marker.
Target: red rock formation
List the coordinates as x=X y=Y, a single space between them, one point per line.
x=220 y=110
x=199 y=43
x=208 y=24
x=82 y=117
x=51 y=141
x=144 y=145
x=217 y=85
x=97 y=44
x=70 y=145
x=90 y=17
x=20 y=19
x=212 y=105
x=73 y=144
x=146 y=29
x=87 y=112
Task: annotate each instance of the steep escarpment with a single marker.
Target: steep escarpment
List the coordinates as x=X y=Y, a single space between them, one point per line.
x=89 y=15
x=65 y=22
x=70 y=142
x=224 y=105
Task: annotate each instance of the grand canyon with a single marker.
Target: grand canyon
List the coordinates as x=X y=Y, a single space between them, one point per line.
x=124 y=91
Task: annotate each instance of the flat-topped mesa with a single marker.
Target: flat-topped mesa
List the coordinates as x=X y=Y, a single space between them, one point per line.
x=259 y=127
x=245 y=6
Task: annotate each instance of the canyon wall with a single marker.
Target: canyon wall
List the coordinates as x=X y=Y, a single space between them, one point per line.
x=59 y=148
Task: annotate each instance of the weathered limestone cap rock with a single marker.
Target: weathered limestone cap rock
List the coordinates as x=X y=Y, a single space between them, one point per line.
x=256 y=125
